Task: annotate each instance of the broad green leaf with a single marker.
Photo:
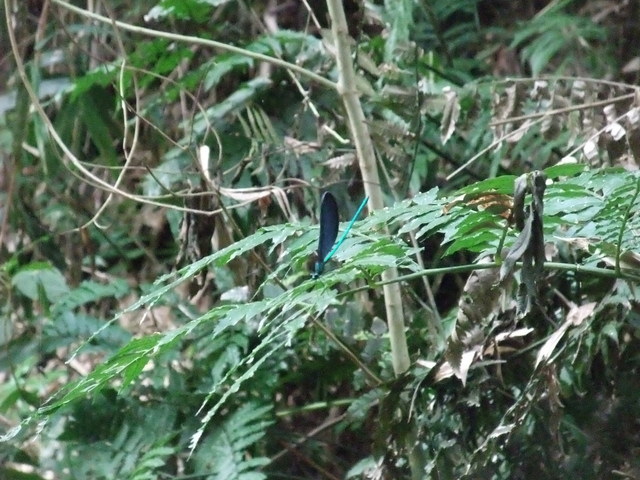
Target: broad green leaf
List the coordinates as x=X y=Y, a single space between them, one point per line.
x=194 y=10
x=41 y=275
x=502 y=184
x=236 y=101
x=223 y=64
x=478 y=241
x=565 y=170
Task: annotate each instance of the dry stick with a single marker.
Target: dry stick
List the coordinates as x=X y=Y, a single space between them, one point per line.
x=348 y=352
x=565 y=78
x=367 y=161
x=198 y=41
x=595 y=135
x=310 y=462
x=305 y=93
x=128 y=153
x=537 y=118
x=558 y=111
x=468 y=163
x=319 y=429
x=69 y=158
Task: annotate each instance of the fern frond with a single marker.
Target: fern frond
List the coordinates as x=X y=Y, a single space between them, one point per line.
x=225 y=453
x=151 y=462
x=91 y=292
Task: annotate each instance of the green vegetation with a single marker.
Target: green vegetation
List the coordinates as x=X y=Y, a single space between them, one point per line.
x=163 y=163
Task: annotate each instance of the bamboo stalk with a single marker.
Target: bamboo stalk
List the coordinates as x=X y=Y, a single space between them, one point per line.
x=369 y=168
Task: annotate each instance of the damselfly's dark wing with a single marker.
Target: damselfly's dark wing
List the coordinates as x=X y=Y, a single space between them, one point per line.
x=328 y=229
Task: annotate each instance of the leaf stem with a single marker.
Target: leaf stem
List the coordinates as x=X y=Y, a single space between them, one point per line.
x=621 y=273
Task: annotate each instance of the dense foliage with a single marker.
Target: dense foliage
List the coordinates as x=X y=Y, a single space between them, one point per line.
x=162 y=167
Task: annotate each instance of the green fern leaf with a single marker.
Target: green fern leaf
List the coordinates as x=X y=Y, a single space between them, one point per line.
x=225 y=453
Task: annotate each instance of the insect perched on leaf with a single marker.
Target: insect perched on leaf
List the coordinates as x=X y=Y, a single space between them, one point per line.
x=329 y=220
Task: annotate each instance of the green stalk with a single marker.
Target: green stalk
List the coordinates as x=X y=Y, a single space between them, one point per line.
x=368 y=167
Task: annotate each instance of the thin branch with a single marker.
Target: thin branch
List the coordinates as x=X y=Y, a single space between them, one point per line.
x=558 y=111
x=199 y=41
x=493 y=144
x=566 y=78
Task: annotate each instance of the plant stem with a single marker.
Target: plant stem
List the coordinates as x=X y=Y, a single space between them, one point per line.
x=623 y=273
x=198 y=41
x=347 y=88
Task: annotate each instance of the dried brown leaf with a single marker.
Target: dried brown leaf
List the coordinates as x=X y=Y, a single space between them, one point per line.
x=575 y=317
x=520 y=332
x=341 y=161
x=550 y=345
x=299 y=147
x=578 y=314
x=480 y=300
x=633 y=137
x=450 y=114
